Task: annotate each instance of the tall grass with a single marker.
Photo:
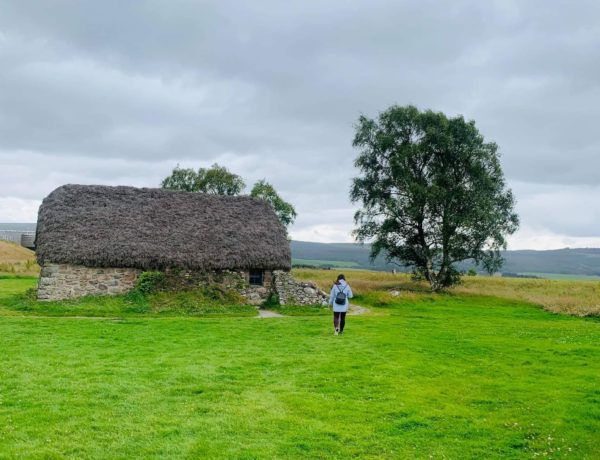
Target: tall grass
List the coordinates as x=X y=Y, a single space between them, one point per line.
x=15 y=259
x=26 y=267
x=574 y=297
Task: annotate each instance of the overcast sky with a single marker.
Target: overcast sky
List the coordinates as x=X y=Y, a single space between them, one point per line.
x=119 y=92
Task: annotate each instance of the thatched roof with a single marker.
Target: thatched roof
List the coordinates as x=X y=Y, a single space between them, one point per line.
x=101 y=226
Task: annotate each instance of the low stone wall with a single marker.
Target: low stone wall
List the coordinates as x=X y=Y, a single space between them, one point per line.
x=292 y=292
x=64 y=281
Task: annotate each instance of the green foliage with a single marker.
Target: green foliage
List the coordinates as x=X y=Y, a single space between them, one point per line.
x=272 y=301
x=471 y=272
x=432 y=193
x=149 y=282
x=183 y=179
x=216 y=180
x=284 y=210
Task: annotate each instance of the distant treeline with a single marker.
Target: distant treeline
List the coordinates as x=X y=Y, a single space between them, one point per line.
x=517 y=275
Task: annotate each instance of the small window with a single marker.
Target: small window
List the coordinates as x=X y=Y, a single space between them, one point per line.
x=256 y=277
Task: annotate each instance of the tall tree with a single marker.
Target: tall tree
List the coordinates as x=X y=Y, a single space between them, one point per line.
x=216 y=180
x=284 y=210
x=432 y=193
x=184 y=179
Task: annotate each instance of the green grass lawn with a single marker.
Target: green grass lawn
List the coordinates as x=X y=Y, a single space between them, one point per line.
x=17 y=297
x=450 y=376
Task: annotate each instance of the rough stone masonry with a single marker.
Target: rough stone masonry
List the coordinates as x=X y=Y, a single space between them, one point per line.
x=65 y=281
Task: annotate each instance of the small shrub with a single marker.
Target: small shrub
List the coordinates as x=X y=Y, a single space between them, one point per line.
x=149 y=282
x=30 y=294
x=272 y=301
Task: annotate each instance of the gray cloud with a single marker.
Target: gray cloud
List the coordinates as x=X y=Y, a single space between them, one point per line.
x=119 y=92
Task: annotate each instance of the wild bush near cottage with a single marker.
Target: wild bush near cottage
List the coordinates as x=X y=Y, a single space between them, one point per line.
x=149 y=282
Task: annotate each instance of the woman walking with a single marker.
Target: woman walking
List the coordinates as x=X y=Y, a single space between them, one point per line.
x=338 y=299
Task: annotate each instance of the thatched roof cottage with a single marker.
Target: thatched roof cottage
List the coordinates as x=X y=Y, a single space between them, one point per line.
x=95 y=239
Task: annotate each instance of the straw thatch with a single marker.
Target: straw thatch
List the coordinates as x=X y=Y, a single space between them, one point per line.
x=101 y=226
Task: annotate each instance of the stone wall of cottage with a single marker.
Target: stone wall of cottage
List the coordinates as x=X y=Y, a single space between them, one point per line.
x=65 y=281
x=292 y=292
x=228 y=279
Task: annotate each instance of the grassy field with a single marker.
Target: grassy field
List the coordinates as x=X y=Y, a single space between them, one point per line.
x=18 y=298
x=562 y=276
x=581 y=298
x=455 y=376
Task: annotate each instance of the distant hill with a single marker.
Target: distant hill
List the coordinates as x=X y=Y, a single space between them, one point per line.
x=585 y=262
x=346 y=254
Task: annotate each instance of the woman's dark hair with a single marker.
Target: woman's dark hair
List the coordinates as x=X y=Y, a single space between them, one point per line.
x=341 y=277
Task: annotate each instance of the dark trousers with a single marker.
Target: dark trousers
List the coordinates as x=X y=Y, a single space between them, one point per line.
x=339 y=320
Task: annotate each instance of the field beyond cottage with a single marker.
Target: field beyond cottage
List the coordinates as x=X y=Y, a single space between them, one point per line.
x=483 y=372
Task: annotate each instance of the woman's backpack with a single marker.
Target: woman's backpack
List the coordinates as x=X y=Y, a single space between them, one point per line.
x=340 y=297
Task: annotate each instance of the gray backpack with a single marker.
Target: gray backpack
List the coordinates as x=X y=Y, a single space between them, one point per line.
x=340 y=297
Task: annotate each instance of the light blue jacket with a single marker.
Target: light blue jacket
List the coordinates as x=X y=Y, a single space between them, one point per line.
x=345 y=288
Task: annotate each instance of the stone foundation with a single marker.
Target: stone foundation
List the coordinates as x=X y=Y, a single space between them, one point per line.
x=64 y=281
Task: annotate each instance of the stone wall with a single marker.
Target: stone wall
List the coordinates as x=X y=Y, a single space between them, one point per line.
x=292 y=292
x=237 y=280
x=64 y=281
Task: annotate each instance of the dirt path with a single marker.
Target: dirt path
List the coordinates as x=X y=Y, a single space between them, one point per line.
x=356 y=310
x=268 y=314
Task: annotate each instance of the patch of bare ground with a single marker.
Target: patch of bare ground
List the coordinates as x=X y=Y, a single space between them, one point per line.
x=356 y=310
x=268 y=314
